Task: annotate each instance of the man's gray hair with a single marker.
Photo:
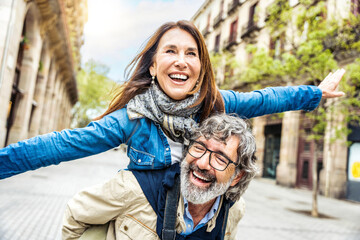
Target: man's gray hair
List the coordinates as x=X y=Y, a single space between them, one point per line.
x=220 y=127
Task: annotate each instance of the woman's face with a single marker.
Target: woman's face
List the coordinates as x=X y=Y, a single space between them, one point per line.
x=176 y=63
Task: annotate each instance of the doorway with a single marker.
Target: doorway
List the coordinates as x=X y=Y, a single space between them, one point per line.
x=306 y=150
x=272 y=150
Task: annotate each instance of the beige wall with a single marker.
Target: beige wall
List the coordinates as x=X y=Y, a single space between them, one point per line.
x=47 y=92
x=335 y=154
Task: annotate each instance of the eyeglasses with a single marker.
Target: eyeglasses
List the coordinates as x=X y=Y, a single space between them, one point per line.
x=216 y=160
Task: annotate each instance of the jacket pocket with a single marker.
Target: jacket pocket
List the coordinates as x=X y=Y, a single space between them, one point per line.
x=140 y=158
x=131 y=229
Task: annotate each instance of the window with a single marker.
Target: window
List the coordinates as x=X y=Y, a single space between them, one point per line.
x=217 y=43
x=308 y=131
x=208 y=22
x=250 y=57
x=277 y=46
x=221 y=6
x=233 y=31
x=305 y=170
x=252 y=15
x=219 y=17
x=228 y=71
x=355 y=7
x=306 y=147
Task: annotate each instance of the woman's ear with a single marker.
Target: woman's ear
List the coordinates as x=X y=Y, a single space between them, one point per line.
x=152 y=69
x=237 y=178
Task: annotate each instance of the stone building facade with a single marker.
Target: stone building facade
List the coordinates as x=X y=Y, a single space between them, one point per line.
x=40 y=44
x=284 y=153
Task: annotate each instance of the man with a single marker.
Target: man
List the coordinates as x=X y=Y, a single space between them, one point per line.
x=217 y=168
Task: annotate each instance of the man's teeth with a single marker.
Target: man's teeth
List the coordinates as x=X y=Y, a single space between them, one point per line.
x=200 y=177
x=179 y=76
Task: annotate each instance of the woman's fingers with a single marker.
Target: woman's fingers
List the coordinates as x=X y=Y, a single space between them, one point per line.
x=329 y=85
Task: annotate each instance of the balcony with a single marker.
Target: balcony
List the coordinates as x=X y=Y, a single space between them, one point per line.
x=219 y=18
x=205 y=31
x=249 y=28
x=231 y=41
x=233 y=5
x=338 y=42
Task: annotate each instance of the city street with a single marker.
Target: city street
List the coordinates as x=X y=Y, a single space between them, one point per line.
x=32 y=204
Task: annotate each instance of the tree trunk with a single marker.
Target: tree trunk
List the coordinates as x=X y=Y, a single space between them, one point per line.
x=314 y=210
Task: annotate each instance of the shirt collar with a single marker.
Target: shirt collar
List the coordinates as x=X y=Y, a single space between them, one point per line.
x=188 y=218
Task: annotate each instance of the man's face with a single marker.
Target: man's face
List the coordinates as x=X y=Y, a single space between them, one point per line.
x=200 y=182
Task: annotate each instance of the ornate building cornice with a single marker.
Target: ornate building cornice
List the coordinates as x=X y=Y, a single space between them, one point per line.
x=63 y=23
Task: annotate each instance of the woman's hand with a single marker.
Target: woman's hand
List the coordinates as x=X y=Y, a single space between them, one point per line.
x=329 y=84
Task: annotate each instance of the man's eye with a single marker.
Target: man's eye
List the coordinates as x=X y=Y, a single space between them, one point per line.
x=221 y=159
x=199 y=148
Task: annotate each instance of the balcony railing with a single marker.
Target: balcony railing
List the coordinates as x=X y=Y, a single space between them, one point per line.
x=248 y=28
x=233 y=5
x=231 y=41
x=205 y=31
x=219 y=18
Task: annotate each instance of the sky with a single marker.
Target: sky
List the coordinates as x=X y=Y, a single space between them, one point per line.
x=116 y=29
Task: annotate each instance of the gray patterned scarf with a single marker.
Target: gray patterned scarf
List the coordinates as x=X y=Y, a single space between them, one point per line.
x=174 y=116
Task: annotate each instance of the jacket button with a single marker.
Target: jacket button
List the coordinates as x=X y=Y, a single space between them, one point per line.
x=125 y=228
x=139 y=160
x=167 y=149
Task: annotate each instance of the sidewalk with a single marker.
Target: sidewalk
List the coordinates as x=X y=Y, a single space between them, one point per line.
x=32 y=205
x=275 y=212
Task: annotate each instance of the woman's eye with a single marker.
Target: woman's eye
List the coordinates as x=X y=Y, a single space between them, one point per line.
x=170 y=51
x=192 y=53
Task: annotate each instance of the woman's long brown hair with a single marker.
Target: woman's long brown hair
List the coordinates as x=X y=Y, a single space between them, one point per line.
x=140 y=77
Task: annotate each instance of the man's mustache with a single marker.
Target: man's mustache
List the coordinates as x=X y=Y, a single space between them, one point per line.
x=204 y=173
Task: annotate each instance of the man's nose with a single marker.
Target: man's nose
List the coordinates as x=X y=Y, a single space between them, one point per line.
x=203 y=162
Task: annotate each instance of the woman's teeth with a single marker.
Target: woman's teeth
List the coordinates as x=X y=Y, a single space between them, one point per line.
x=179 y=76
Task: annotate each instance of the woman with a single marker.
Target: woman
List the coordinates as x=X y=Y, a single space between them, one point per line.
x=171 y=88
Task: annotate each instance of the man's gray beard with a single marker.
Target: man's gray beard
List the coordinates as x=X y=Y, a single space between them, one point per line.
x=198 y=195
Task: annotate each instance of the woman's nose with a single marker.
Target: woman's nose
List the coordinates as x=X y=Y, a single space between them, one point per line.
x=180 y=61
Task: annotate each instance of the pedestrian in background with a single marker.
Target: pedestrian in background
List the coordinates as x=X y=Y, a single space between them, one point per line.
x=171 y=88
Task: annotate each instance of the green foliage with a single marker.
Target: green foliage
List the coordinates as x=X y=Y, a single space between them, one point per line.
x=94 y=88
x=351 y=87
x=226 y=61
x=316 y=46
x=262 y=68
x=278 y=14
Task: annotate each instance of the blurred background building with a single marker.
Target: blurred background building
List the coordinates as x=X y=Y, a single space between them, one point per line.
x=40 y=44
x=284 y=151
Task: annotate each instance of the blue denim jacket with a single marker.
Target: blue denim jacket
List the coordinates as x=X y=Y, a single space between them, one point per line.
x=148 y=147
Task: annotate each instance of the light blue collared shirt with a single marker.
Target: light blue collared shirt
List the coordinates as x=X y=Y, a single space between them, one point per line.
x=189 y=221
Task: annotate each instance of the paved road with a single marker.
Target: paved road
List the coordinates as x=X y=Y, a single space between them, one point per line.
x=32 y=204
x=275 y=212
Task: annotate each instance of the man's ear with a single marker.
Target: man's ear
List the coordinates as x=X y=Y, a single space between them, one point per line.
x=237 y=178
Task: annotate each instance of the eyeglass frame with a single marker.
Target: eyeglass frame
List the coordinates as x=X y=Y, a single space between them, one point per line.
x=206 y=150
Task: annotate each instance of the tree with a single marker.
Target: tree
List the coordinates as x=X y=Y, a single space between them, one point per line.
x=316 y=46
x=94 y=88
